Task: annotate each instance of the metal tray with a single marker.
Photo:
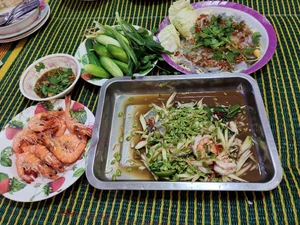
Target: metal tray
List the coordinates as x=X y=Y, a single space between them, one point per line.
x=109 y=126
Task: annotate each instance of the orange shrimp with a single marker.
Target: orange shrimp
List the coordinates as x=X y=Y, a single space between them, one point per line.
x=67 y=148
x=45 y=155
x=199 y=145
x=44 y=121
x=73 y=124
x=60 y=127
x=24 y=138
x=28 y=161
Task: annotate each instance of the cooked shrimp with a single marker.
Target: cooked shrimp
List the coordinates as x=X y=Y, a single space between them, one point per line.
x=214 y=149
x=23 y=138
x=44 y=121
x=28 y=161
x=45 y=155
x=224 y=165
x=199 y=145
x=67 y=148
x=60 y=127
x=73 y=124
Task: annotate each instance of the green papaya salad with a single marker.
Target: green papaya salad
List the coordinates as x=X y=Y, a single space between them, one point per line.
x=194 y=142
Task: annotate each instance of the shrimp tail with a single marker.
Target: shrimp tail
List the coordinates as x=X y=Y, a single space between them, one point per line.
x=72 y=124
x=83 y=130
x=68 y=104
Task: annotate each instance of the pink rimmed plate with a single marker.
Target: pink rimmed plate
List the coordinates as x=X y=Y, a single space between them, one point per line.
x=254 y=19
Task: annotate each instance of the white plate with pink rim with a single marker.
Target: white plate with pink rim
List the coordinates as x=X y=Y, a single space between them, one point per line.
x=11 y=185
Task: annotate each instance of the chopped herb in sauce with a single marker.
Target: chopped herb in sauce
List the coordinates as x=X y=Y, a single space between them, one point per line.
x=128 y=138
x=121 y=139
x=54 y=82
x=135 y=124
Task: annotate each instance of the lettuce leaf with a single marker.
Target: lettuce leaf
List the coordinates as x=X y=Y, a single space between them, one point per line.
x=169 y=38
x=183 y=16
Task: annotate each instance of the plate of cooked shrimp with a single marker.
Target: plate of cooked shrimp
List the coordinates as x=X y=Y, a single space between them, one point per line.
x=44 y=149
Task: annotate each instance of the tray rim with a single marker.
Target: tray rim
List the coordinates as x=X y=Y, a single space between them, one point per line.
x=197 y=186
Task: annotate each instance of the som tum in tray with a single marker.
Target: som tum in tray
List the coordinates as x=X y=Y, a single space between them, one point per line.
x=183 y=132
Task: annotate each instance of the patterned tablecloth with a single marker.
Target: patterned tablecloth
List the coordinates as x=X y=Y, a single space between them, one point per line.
x=83 y=204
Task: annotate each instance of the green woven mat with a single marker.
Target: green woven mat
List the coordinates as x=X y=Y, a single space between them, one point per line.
x=82 y=204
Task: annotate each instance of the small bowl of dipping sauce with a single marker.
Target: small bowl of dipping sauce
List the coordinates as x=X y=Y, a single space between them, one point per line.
x=50 y=77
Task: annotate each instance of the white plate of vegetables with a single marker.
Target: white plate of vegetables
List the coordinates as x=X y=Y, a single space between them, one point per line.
x=216 y=36
x=116 y=51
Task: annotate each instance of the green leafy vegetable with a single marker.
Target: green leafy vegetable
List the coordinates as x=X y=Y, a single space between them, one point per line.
x=215 y=35
x=218 y=55
x=255 y=38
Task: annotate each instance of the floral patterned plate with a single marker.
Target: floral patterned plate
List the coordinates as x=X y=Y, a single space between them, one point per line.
x=13 y=187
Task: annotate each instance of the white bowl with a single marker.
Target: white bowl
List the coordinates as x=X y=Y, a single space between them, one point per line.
x=31 y=75
x=21 y=23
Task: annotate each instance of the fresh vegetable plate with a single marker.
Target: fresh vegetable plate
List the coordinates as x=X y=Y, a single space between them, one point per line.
x=81 y=56
x=11 y=185
x=256 y=22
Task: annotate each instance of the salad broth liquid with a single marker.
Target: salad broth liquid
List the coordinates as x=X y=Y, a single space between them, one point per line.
x=141 y=106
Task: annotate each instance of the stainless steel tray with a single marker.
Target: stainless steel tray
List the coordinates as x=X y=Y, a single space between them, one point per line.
x=109 y=126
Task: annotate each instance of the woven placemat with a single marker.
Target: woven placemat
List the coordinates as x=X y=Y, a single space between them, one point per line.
x=82 y=204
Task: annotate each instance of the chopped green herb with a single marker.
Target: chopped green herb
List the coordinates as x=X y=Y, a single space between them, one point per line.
x=255 y=38
x=137 y=152
x=54 y=81
x=118 y=172
x=120 y=114
x=248 y=50
x=117 y=156
x=135 y=124
x=218 y=55
x=230 y=57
